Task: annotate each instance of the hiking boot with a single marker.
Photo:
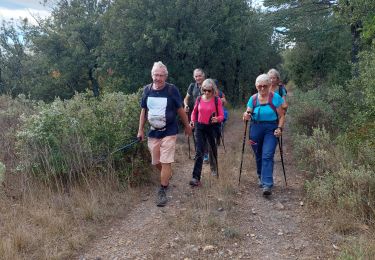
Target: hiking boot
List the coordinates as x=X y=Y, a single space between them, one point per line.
x=214 y=173
x=205 y=158
x=267 y=191
x=194 y=182
x=162 y=198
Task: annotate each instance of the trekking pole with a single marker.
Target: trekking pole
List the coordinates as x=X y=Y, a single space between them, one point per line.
x=188 y=137
x=243 y=150
x=280 y=141
x=222 y=135
x=122 y=148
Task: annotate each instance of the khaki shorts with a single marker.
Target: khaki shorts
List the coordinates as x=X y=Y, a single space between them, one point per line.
x=162 y=150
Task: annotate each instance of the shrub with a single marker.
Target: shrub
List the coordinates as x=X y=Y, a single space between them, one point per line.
x=62 y=139
x=309 y=111
x=315 y=153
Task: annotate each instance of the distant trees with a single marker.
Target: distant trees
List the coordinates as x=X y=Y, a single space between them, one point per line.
x=111 y=45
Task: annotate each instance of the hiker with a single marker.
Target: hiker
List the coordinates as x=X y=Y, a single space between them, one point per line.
x=193 y=92
x=267 y=122
x=224 y=101
x=277 y=86
x=207 y=113
x=160 y=104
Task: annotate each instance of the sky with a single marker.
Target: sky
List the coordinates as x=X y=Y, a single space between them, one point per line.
x=22 y=9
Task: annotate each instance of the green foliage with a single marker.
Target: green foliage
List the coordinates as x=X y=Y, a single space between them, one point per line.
x=227 y=39
x=310 y=111
x=350 y=190
x=63 y=138
x=315 y=153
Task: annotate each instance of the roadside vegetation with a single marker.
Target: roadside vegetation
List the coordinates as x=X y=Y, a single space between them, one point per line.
x=70 y=96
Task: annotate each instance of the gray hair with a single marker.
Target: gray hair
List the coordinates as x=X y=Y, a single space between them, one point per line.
x=200 y=70
x=161 y=65
x=210 y=82
x=274 y=72
x=262 y=78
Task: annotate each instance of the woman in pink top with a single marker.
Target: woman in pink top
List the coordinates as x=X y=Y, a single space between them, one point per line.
x=206 y=117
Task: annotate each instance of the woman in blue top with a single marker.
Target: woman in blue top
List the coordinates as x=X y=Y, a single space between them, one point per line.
x=267 y=122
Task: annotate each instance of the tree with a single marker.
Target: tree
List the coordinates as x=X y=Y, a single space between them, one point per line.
x=67 y=46
x=225 y=38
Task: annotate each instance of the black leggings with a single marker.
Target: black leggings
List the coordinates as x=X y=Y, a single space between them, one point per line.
x=204 y=134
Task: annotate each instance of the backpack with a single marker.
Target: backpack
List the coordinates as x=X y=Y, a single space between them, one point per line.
x=270 y=97
x=281 y=88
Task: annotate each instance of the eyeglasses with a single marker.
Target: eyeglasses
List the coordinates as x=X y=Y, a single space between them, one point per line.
x=262 y=86
x=207 y=90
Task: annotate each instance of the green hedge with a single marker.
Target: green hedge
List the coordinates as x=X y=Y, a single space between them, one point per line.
x=68 y=138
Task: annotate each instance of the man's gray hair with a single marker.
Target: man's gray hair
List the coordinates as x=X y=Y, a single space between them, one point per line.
x=262 y=78
x=161 y=65
x=274 y=72
x=200 y=70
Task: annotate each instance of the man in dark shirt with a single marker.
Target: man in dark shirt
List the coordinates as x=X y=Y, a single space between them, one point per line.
x=160 y=104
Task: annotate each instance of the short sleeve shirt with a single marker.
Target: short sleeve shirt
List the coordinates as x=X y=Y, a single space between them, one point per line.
x=264 y=112
x=162 y=106
x=193 y=91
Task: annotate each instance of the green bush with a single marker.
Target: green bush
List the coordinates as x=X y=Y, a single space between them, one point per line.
x=349 y=189
x=310 y=111
x=315 y=153
x=67 y=138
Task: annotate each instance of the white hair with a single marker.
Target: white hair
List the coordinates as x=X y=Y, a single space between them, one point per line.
x=262 y=78
x=274 y=72
x=161 y=65
x=199 y=70
x=208 y=83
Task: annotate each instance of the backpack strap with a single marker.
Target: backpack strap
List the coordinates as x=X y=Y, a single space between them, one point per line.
x=255 y=97
x=270 y=103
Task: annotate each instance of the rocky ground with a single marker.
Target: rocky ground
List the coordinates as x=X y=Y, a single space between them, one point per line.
x=221 y=219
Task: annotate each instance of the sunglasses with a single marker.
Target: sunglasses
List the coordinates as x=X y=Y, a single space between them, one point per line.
x=262 y=86
x=207 y=90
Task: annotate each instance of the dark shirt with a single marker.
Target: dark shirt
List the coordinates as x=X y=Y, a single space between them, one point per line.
x=162 y=106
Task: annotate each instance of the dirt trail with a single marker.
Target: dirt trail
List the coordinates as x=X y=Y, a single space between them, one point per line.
x=221 y=220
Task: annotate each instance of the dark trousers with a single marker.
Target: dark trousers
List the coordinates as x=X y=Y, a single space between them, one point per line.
x=204 y=134
x=263 y=141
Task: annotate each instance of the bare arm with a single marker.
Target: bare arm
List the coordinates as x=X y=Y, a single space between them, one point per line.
x=186 y=103
x=142 y=121
x=281 y=114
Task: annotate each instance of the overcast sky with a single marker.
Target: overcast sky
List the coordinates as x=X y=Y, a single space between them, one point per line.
x=22 y=9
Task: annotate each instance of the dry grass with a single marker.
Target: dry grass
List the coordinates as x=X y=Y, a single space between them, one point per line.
x=45 y=224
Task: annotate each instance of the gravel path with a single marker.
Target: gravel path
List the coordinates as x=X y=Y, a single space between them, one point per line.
x=221 y=219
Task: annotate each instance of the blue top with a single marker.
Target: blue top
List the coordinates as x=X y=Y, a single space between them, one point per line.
x=265 y=112
x=162 y=106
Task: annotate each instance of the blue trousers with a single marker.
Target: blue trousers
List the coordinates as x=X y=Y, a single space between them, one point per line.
x=264 y=142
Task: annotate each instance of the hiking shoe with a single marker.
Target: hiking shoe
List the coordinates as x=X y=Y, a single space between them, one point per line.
x=205 y=158
x=260 y=185
x=162 y=198
x=214 y=173
x=267 y=191
x=194 y=182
